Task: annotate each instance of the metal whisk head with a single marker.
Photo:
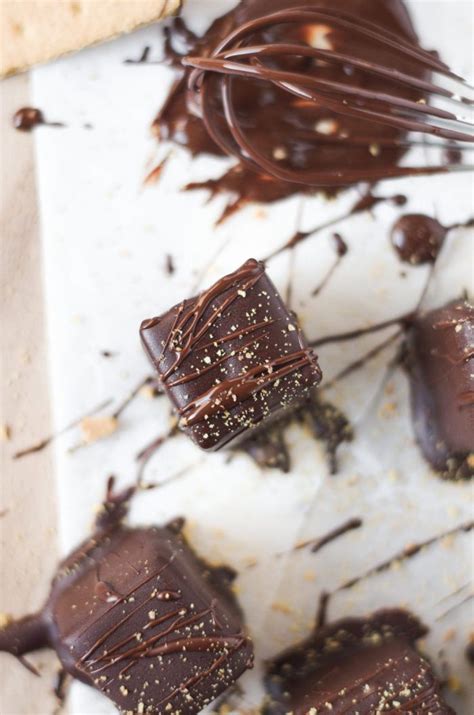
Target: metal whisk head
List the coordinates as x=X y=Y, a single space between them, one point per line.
x=399 y=99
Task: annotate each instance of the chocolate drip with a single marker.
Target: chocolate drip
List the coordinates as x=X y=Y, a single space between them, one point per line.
x=231 y=358
x=46 y=441
x=330 y=425
x=417 y=238
x=341 y=250
x=143 y=59
x=61 y=686
x=267 y=445
x=169 y=264
x=321 y=541
x=26 y=634
x=366 y=203
x=27 y=118
x=137 y=615
x=407 y=553
x=362 y=665
x=268 y=448
x=406 y=319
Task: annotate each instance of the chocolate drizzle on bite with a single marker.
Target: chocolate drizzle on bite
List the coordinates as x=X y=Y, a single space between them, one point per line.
x=357 y=665
x=231 y=358
x=137 y=615
x=439 y=361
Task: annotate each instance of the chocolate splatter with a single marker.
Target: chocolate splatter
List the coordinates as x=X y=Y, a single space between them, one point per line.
x=27 y=118
x=405 y=554
x=341 y=250
x=319 y=542
x=169 y=264
x=296 y=135
x=366 y=203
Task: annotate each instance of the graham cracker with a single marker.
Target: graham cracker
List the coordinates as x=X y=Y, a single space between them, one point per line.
x=35 y=31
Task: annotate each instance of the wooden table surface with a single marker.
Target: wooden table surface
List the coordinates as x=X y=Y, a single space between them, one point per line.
x=27 y=496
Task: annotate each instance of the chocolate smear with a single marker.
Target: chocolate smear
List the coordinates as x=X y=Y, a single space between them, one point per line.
x=289 y=138
x=321 y=541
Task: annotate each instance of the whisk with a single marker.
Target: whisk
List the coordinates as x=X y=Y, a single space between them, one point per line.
x=236 y=57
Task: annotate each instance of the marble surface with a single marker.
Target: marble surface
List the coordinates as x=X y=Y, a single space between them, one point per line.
x=105 y=241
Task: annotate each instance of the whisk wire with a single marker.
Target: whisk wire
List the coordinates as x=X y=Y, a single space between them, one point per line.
x=233 y=58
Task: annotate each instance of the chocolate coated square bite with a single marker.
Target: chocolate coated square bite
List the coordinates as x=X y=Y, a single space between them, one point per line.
x=231 y=358
x=440 y=354
x=357 y=666
x=136 y=614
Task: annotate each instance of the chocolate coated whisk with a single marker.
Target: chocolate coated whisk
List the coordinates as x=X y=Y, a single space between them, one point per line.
x=237 y=57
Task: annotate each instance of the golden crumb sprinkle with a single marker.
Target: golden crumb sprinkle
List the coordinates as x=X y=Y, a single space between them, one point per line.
x=96 y=428
x=5 y=433
x=5 y=619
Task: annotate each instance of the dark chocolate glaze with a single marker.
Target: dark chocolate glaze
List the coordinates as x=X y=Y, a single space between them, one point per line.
x=440 y=352
x=27 y=118
x=231 y=358
x=46 y=441
x=61 y=686
x=357 y=665
x=137 y=615
x=367 y=202
x=418 y=238
x=303 y=141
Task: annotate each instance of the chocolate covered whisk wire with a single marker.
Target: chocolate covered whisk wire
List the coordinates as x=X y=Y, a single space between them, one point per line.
x=236 y=57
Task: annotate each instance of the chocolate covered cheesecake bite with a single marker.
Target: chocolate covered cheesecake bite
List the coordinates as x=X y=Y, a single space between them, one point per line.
x=136 y=614
x=440 y=353
x=231 y=358
x=357 y=665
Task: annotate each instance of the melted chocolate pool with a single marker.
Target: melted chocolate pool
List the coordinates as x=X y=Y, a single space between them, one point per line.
x=284 y=127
